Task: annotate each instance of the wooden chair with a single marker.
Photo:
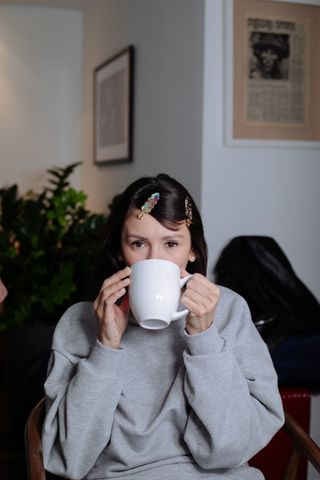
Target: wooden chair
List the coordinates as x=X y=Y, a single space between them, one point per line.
x=281 y=459
x=302 y=445
x=33 y=446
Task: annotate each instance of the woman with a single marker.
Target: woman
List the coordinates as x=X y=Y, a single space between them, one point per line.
x=195 y=400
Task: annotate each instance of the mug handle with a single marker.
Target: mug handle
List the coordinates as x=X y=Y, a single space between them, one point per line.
x=182 y=313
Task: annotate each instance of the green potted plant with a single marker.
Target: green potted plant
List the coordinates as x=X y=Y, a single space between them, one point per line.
x=47 y=248
x=47 y=255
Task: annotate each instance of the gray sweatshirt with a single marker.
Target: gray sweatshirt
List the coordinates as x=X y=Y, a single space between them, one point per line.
x=166 y=405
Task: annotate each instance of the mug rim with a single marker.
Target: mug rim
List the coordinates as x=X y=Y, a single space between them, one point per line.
x=155 y=260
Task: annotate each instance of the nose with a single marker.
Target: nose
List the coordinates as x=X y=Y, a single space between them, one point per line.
x=155 y=253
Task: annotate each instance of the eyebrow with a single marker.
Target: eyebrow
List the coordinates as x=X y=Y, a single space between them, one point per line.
x=166 y=237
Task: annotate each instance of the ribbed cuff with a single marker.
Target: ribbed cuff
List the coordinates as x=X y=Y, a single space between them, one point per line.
x=103 y=357
x=205 y=342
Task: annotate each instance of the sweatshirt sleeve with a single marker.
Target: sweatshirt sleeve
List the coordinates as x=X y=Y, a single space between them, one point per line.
x=231 y=387
x=82 y=396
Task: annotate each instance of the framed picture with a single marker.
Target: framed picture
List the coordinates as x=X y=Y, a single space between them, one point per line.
x=272 y=73
x=113 y=109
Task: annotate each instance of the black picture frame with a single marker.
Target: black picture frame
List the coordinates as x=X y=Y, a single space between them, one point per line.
x=113 y=109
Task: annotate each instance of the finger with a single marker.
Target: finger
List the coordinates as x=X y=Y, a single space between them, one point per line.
x=116 y=277
x=196 y=304
x=111 y=299
x=202 y=285
x=183 y=272
x=105 y=309
x=115 y=297
x=199 y=296
x=111 y=309
x=107 y=291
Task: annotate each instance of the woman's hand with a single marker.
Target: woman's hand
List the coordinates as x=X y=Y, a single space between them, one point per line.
x=113 y=318
x=200 y=297
x=3 y=291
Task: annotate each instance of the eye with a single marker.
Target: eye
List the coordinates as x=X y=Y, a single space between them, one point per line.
x=137 y=244
x=171 y=244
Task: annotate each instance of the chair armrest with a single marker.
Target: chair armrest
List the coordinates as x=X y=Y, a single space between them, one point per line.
x=302 y=441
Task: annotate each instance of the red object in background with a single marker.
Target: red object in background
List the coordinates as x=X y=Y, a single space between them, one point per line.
x=273 y=459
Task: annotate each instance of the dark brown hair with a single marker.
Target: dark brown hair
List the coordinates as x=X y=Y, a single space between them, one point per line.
x=169 y=211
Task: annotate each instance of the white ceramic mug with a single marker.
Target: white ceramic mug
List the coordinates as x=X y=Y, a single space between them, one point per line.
x=154 y=293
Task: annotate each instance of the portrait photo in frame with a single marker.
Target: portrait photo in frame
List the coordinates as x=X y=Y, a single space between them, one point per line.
x=113 y=109
x=279 y=107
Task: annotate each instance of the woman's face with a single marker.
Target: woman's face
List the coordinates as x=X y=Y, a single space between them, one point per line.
x=146 y=238
x=269 y=59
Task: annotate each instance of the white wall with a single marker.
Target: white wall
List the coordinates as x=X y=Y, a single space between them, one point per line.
x=168 y=40
x=262 y=191
x=255 y=191
x=40 y=92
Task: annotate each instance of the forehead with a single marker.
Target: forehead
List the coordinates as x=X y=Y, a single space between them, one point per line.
x=149 y=226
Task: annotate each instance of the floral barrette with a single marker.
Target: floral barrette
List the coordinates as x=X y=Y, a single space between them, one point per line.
x=149 y=205
x=188 y=210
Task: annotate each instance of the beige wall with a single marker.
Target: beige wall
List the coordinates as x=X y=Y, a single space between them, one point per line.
x=168 y=41
x=40 y=92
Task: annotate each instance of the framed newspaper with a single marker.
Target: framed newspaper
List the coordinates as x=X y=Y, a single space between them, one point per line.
x=272 y=73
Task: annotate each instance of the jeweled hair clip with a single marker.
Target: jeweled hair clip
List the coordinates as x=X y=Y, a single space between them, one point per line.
x=149 y=205
x=188 y=210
